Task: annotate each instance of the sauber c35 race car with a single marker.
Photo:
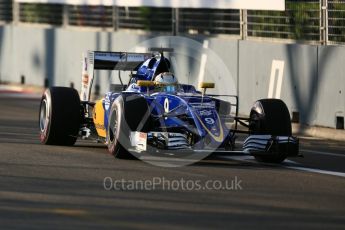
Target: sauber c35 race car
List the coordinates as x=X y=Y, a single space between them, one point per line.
x=153 y=112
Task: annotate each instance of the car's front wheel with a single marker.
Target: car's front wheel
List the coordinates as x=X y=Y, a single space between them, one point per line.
x=270 y=117
x=59 y=116
x=128 y=113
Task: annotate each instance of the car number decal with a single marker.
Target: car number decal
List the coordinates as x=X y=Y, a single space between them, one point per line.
x=166 y=105
x=209 y=120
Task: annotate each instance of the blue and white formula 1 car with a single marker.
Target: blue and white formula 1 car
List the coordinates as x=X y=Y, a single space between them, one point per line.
x=153 y=112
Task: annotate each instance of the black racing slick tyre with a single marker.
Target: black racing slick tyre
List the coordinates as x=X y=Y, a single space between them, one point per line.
x=271 y=117
x=129 y=112
x=59 y=116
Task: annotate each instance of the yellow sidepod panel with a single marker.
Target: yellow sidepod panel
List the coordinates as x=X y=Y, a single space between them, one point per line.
x=98 y=118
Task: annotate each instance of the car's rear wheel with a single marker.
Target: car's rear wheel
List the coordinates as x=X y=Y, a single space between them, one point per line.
x=128 y=113
x=270 y=117
x=59 y=116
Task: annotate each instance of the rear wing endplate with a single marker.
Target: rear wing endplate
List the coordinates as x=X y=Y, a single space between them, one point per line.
x=99 y=60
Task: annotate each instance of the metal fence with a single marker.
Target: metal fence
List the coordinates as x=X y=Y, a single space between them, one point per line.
x=300 y=21
x=40 y=13
x=317 y=21
x=91 y=16
x=145 y=18
x=6 y=11
x=336 y=21
x=208 y=21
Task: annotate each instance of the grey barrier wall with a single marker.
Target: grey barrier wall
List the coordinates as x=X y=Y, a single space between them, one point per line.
x=331 y=85
x=56 y=54
x=298 y=80
x=313 y=80
x=310 y=79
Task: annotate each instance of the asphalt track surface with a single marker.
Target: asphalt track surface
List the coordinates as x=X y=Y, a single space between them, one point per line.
x=54 y=187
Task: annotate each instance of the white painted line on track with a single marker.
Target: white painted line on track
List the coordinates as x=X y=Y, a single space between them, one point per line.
x=341 y=174
x=291 y=162
x=323 y=153
x=300 y=168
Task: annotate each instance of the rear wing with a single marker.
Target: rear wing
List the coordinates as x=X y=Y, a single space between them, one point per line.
x=99 y=60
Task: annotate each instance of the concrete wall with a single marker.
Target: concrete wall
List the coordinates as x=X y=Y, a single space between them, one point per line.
x=299 y=79
x=55 y=54
x=38 y=53
x=331 y=85
x=313 y=82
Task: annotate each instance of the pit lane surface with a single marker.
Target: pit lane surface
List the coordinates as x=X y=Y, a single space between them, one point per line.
x=48 y=187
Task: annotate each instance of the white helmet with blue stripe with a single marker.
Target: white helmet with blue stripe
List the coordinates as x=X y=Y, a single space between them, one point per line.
x=167 y=81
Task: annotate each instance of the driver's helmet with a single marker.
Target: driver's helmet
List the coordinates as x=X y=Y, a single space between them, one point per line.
x=166 y=81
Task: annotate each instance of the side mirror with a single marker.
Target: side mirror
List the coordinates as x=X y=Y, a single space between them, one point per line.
x=206 y=85
x=145 y=83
